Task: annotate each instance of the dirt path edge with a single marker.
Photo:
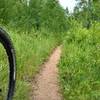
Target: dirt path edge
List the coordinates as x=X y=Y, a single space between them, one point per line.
x=45 y=85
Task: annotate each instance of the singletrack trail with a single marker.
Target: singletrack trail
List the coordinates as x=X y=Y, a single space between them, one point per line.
x=46 y=86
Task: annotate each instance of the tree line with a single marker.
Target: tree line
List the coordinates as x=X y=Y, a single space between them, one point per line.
x=35 y=14
x=47 y=14
x=87 y=11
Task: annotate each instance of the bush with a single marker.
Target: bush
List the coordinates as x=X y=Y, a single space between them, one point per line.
x=79 y=67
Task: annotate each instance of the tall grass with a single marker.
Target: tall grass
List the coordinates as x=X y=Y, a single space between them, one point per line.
x=31 y=51
x=79 y=67
x=3 y=73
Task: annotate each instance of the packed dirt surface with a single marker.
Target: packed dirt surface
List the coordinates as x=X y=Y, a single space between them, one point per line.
x=46 y=86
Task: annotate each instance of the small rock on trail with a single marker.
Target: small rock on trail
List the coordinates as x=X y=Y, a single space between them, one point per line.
x=47 y=82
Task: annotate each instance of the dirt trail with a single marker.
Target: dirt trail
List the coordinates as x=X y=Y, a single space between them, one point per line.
x=47 y=85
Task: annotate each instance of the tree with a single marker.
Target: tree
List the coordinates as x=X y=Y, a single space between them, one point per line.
x=84 y=12
x=53 y=16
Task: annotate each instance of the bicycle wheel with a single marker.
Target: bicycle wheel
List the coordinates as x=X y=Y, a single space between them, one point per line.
x=7 y=67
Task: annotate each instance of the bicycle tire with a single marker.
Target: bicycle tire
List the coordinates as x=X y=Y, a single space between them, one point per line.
x=10 y=51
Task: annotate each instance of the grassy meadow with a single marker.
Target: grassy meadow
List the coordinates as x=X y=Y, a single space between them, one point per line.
x=31 y=52
x=79 y=66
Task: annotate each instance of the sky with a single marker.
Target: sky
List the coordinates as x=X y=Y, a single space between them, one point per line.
x=68 y=3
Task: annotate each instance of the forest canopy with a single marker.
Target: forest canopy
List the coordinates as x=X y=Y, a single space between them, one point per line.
x=47 y=14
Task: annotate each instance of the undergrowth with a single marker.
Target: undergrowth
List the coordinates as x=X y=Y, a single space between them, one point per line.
x=79 y=66
x=31 y=51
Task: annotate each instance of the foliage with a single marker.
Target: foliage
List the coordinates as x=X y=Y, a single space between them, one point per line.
x=31 y=51
x=79 y=67
x=37 y=26
x=33 y=14
x=87 y=11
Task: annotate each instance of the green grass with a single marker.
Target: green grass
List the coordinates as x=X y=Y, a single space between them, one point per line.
x=79 y=67
x=31 y=51
x=3 y=72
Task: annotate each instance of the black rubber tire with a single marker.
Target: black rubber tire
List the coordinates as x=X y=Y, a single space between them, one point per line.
x=7 y=44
